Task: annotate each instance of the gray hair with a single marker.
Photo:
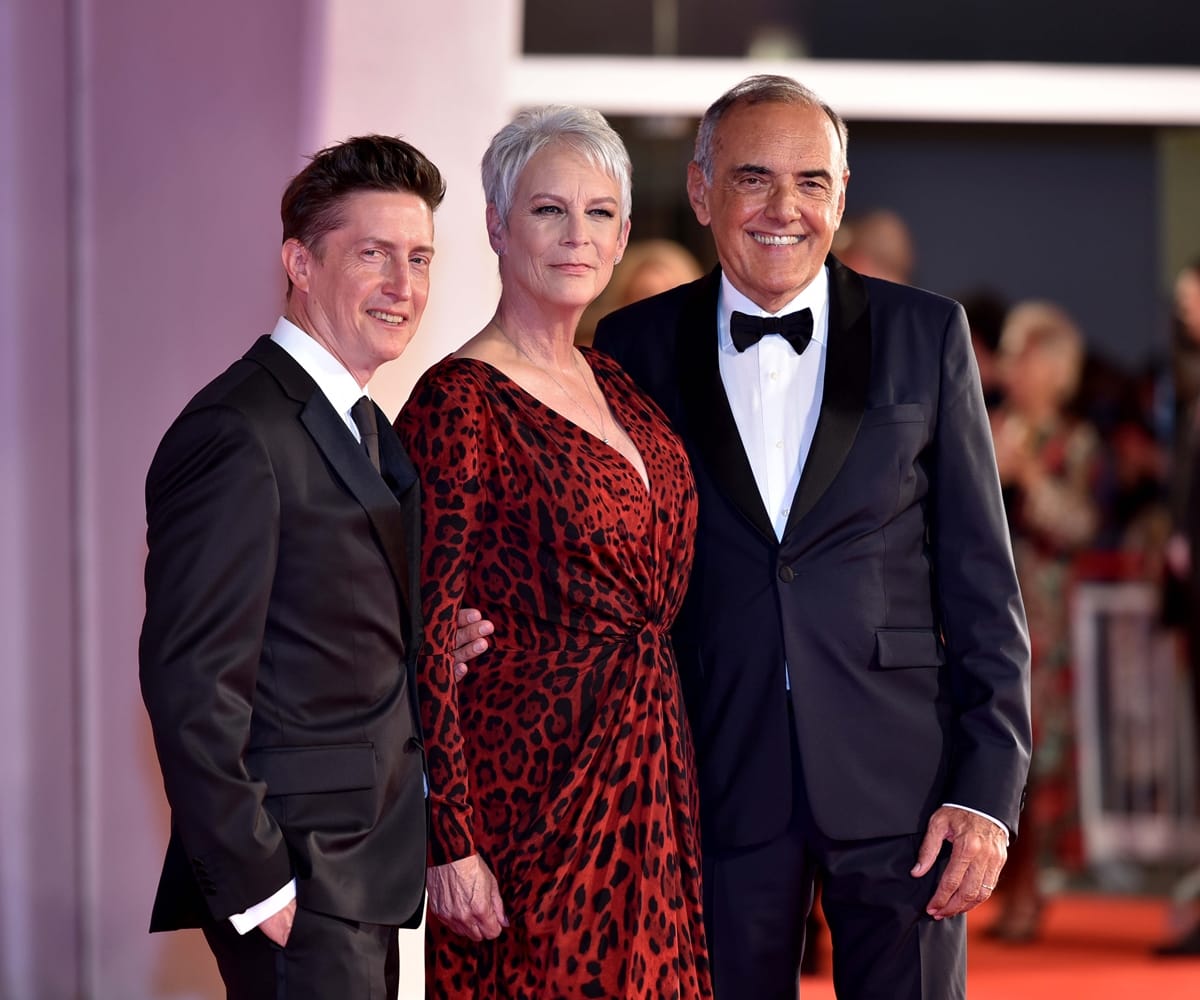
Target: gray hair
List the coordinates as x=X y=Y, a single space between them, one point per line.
x=581 y=129
x=762 y=89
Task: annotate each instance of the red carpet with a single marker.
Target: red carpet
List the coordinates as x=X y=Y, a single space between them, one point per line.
x=1091 y=948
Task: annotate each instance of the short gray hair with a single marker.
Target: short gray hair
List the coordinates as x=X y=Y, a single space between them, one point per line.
x=762 y=89
x=581 y=129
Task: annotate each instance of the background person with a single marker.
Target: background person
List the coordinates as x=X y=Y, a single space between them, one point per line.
x=986 y=311
x=1050 y=465
x=1183 y=552
x=647 y=268
x=877 y=244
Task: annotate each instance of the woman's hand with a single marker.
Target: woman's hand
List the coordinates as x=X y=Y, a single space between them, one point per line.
x=464 y=896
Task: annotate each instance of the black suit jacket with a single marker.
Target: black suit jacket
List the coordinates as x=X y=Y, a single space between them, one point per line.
x=892 y=596
x=277 y=654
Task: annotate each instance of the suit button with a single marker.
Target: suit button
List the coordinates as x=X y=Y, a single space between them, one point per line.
x=786 y=574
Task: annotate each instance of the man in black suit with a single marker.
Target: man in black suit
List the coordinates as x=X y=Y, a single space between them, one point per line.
x=853 y=646
x=281 y=608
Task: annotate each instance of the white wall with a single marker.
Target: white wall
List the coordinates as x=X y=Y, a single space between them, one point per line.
x=38 y=815
x=437 y=74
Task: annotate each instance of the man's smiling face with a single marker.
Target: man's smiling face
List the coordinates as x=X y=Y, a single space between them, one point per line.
x=361 y=290
x=776 y=197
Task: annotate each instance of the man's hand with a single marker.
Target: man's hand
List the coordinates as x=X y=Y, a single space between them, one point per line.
x=469 y=639
x=979 y=852
x=464 y=896
x=278 y=927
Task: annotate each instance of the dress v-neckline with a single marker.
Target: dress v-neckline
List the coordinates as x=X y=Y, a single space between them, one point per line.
x=643 y=478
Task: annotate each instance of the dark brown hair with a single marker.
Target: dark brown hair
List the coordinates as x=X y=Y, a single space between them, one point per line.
x=312 y=203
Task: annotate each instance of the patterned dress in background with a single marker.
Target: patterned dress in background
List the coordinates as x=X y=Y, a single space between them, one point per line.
x=564 y=758
x=1049 y=527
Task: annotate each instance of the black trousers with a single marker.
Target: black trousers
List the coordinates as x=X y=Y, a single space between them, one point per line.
x=885 y=947
x=325 y=958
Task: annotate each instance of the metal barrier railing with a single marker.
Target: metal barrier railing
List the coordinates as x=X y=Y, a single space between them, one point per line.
x=1137 y=744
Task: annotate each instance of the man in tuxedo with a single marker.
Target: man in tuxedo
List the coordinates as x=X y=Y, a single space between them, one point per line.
x=853 y=647
x=282 y=617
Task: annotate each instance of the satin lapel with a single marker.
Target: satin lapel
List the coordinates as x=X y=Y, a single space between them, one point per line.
x=348 y=458
x=847 y=377
x=709 y=419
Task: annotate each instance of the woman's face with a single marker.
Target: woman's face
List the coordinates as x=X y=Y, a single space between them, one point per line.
x=563 y=233
x=1037 y=375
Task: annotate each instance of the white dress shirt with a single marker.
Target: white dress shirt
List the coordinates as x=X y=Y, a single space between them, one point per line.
x=331 y=376
x=341 y=389
x=775 y=393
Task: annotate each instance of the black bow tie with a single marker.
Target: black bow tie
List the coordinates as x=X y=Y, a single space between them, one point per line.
x=796 y=328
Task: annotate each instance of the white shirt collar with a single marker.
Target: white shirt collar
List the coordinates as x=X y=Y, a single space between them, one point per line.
x=815 y=297
x=332 y=378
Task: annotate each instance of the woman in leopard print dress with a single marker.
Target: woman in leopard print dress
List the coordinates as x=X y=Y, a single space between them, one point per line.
x=564 y=849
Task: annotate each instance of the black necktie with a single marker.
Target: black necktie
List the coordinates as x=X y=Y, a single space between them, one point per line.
x=795 y=327
x=363 y=414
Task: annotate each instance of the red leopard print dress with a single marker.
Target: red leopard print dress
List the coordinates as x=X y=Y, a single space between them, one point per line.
x=564 y=758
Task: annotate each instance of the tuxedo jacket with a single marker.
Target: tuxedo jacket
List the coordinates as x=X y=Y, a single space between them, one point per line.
x=892 y=596
x=276 y=656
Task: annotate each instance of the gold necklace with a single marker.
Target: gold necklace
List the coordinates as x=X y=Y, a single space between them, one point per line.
x=600 y=422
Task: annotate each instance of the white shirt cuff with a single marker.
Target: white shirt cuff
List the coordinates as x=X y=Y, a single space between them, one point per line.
x=247 y=920
x=983 y=814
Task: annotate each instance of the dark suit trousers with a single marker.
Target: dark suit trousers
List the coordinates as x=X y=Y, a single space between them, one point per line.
x=325 y=957
x=885 y=947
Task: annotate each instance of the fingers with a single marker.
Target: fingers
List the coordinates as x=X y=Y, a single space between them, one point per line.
x=469 y=639
x=931 y=846
x=465 y=897
x=976 y=858
x=963 y=893
x=474 y=926
x=498 y=907
x=278 y=926
x=484 y=924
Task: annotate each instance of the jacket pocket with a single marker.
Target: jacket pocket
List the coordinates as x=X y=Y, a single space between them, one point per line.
x=899 y=413
x=896 y=648
x=305 y=770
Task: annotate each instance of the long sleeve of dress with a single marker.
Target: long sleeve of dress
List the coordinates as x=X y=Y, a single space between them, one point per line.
x=452 y=510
